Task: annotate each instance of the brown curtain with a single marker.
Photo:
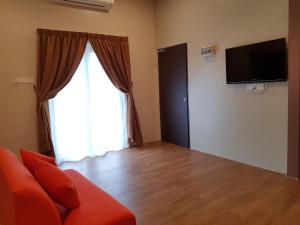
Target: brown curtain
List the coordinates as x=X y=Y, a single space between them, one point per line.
x=59 y=55
x=113 y=54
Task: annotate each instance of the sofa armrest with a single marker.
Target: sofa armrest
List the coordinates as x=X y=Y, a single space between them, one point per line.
x=96 y=206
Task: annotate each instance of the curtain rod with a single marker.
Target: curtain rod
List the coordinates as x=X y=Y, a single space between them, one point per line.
x=38 y=30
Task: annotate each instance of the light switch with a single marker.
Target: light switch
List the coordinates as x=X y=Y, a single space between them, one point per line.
x=22 y=80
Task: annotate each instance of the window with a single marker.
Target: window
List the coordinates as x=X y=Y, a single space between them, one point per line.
x=88 y=117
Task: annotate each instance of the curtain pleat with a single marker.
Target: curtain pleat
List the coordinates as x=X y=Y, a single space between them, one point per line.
x=113 y=54
x=59 y=55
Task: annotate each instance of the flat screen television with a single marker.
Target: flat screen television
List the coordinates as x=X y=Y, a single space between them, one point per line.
x=260 y=62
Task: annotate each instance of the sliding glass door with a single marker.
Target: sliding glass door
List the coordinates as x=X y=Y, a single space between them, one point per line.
x=88 y=117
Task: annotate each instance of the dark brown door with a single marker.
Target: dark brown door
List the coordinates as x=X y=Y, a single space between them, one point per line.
x=173 y=91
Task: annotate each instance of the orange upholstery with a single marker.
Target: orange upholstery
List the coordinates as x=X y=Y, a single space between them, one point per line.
x=23 y=201
x=28 y=158
x=57 y=183
x=63 y=212
x=96 y=206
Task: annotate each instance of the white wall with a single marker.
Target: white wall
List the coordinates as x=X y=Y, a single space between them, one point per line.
x=226 y=120
x=19 y=20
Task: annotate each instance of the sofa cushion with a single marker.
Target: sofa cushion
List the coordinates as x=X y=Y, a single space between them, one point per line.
x=29 y=156
x=57 y=183
x=96 y=206
x=23 y=200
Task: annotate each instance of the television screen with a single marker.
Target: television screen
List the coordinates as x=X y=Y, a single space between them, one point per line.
x=261 y=62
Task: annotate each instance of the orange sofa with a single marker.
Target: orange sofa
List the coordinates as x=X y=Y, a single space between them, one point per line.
x=24 y=202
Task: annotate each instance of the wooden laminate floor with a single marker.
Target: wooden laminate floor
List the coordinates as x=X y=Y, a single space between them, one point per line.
x=168 y=185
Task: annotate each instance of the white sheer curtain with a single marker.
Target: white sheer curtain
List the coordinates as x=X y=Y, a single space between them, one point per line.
x=88 y=117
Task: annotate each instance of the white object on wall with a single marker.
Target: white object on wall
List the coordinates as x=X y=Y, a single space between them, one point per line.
x=101 y=5
x=22 y=80
x=255 y=86
x=258 y=89
x=209 y=50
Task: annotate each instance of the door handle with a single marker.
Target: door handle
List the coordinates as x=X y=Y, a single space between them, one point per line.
x=184 y=99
